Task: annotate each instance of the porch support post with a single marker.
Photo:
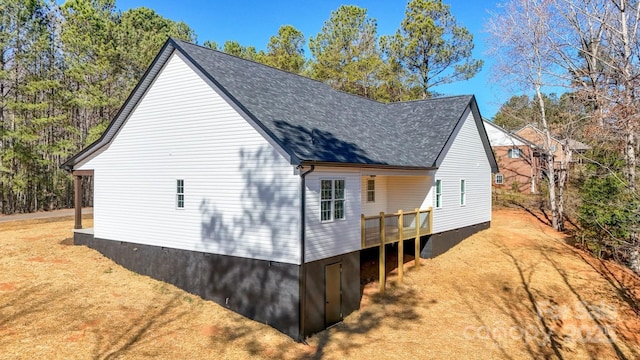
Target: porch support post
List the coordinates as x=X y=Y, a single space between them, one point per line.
x=430 y=221
x=382 y=259
x=400 y=247
x=77 y=182
x=362 y=231
x=417 y=242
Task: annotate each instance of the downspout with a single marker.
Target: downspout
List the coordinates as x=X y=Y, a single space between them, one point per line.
x=303 y=270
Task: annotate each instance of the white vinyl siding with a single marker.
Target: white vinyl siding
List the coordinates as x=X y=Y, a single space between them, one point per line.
x=465 y=157
x=408 y=193
x=324 y=239
x=241 y=195
x=375 y=207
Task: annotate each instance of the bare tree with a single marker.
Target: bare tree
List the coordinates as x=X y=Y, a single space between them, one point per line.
x=591 y=47
x=610 y=47
x=523 y=53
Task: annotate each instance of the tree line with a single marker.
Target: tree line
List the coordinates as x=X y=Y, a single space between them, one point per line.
x=66 y=69
x=590 y=50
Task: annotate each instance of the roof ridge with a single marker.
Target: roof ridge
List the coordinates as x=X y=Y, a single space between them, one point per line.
x=253 y=62
x=316 y=80
x=447 y=97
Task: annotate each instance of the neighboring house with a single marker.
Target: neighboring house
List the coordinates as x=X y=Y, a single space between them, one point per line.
x=518 y=160
x=536 y=136
x=247 y=185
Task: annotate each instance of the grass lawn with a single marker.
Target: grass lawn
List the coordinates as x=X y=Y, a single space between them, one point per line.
x=515 y=291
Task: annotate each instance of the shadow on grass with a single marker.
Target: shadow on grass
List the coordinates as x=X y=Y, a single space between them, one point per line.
x=545 y=220
x=617 y=282
x=395 y=308
x=18 y=305
x=68 y=241
x=521 y=304
x=149 y=325
x=595 y=313
x=547 y=328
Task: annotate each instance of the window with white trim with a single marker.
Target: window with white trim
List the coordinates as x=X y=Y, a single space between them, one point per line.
x=332 y=200
x=499 y=179
x=514 y=153
x=463 y=192
x=371 y=190
x=180 y=194
x=438 y=193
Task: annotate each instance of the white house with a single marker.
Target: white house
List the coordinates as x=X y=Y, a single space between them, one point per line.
x=248 y=185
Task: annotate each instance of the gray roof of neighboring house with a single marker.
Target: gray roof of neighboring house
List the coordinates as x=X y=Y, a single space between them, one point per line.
x=314 y=123
x=577 y=145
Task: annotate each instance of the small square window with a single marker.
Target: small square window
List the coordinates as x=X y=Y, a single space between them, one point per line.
x=499 y=179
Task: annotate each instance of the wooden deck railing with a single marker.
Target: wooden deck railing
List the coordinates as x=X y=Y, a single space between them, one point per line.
x=390 y=228
x=382 y=229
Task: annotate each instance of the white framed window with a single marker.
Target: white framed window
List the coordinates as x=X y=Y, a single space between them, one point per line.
x=332 y=200
x=371 y=190
x=180 y=194
x=463 y=192
x=438 y=191
x=499 y=179
x=514 y=153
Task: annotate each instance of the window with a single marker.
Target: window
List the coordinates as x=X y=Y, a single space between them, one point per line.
x=514 y=153
x=180 y=194
x=499 y=179
x=463 y=192
x=331 y=200
x=371 y=190
x=438 y=194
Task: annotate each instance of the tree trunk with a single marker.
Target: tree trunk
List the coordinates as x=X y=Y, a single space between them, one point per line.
x=630 y=156
x=562 y=181
x=634 y=259
x=555 y=223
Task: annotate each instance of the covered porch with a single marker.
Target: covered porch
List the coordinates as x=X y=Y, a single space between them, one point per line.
x=396 y=207
x=80 y=234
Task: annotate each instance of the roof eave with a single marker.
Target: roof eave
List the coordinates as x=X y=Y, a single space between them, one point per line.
x=364 y=165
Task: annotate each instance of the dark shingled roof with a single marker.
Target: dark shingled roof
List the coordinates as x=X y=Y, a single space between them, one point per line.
x=315 y=123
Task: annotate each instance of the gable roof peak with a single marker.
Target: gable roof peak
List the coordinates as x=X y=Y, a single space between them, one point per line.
x=292 y=110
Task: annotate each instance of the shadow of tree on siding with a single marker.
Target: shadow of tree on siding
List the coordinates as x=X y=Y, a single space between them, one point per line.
x=264 y=227
x=269 y=209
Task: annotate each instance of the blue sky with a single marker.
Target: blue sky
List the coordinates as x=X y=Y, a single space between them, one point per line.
x=251 y=23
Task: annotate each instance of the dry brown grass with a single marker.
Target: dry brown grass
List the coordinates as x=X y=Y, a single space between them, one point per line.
x=476 y=301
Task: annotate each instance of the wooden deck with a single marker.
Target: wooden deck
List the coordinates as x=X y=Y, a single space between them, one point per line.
x=382 y=229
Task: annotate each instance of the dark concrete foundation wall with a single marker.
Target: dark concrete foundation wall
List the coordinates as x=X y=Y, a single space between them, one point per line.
x=315 y=295
x=437 y=244
x=265 y=291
